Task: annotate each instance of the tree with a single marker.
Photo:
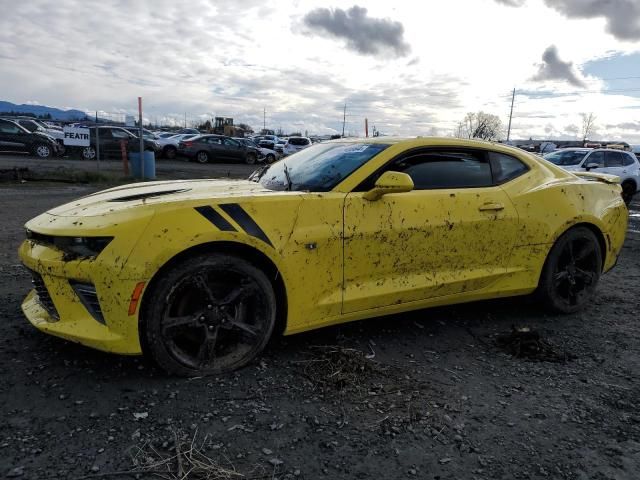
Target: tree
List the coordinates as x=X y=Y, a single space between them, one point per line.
x=588 y=125
x=484 y=126
x=206 y=126
x=245 y=127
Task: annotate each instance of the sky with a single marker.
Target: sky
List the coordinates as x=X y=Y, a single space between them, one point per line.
x=411 y=68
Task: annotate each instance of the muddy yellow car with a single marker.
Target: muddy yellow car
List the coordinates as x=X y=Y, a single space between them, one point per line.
x=199 y=274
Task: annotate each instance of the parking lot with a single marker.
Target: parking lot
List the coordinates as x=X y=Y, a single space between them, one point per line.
x=431 y=394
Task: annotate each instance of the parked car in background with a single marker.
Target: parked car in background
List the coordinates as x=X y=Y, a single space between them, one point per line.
x=635 y=149
x=268 y=141
x=15 y=138
x=169 y=145
x=279 y=146
x=193 y=131
x=270 y=156
x=35 y=125
x=208 y=148
x=602 y=160
x=110 y=143
x=295 y=144
x=148 y=134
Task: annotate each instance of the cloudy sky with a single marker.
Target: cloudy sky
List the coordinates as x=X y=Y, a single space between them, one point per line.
x=411 y=68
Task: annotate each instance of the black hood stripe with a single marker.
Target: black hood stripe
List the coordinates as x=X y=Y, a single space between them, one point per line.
x=242 y=218
x=214 y=217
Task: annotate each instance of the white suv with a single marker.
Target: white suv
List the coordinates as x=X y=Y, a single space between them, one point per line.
x=295 y=144
x=602 y=160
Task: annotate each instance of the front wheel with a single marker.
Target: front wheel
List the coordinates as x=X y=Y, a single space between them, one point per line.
x=271 y=158
x=170 y=153
x=571 y=271
x=42 y=150
x=210 y=314
x=251 y=158
x=88 y=153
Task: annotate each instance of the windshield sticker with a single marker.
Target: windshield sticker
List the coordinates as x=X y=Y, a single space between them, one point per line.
x=356 y=149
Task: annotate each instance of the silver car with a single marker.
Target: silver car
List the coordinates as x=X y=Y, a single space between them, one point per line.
x=602 y=160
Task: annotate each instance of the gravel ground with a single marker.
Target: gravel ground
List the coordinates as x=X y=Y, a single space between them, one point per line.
x=427 y=395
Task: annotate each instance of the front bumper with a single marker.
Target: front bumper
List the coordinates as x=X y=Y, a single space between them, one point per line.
x=55 y=306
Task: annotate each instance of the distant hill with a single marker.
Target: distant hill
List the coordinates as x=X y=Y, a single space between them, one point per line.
x=41 y=111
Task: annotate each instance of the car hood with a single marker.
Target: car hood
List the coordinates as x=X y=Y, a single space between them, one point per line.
x=157 y=194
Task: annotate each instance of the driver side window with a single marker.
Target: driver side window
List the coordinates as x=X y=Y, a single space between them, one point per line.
x=595 y=157
x=439 y=169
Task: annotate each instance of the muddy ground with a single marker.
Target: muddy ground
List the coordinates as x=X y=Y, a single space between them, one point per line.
x=425 y=395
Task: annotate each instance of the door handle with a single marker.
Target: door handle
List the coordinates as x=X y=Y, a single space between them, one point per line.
x=491 y=207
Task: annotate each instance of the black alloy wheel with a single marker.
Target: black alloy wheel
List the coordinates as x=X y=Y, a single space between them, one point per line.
x=211 y=314
x=571 y=271
x=251 y=158
x=271 y=158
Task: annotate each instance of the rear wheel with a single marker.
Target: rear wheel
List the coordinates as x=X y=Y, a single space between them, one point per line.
x=251 y=158
x=170 y=152
x=42 y=150
x=202 y=157
x=628 y=191
x=210 y=314
x=571 y=271
x=271 y=158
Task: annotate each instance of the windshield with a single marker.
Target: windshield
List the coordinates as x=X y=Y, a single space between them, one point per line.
x=567 y=157
x=318 y=168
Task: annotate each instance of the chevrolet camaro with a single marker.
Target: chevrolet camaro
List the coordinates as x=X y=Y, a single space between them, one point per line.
x=199 y=274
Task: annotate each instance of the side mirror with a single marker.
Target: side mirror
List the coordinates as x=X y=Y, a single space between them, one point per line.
x=589 y=166
x=389 y=182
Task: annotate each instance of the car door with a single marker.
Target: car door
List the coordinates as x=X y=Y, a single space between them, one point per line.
x=614 y=164
x=593 y=160
x=232 y=149
x=13 y=138
x=452 y=233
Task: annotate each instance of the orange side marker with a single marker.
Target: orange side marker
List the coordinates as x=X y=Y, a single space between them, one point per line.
x=135 y=297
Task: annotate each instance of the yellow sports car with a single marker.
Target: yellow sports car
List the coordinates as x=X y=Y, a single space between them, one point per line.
x=199 y=274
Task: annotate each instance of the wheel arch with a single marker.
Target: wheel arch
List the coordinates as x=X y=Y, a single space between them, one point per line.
x=602 y=240
x=258 y=258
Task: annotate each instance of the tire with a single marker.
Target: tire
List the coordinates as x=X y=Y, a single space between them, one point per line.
x=571 y=272
x=628 y=191
x=270 y=158
x=202 y=157
x=209 y=314
x=42 y=150
x=251 y=159
x=88 y=153
x=170 y=153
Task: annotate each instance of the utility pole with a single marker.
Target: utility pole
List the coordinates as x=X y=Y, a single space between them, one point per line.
x=344 y=118
x=264 y=119
x=185 y=119
x=513 y=97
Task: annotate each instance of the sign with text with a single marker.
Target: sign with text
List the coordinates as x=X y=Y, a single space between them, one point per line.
x=76 y=136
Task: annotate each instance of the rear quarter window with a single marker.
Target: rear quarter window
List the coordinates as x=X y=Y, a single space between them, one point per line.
x=505 y=167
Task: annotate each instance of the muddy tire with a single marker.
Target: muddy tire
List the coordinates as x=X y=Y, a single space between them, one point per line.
x=571 y=272
x=209 y=314
x=270 y=158
x=628 y=191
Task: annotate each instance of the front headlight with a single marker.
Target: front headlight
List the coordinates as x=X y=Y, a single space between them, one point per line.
x=73 y=247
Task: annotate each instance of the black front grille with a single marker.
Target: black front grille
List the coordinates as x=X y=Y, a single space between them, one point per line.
x=89 y=298
x=43 y=295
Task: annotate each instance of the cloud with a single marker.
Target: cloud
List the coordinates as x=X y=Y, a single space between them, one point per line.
x=553 y=68
x=512 y=3
x=622 y=16
x=365 y=35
